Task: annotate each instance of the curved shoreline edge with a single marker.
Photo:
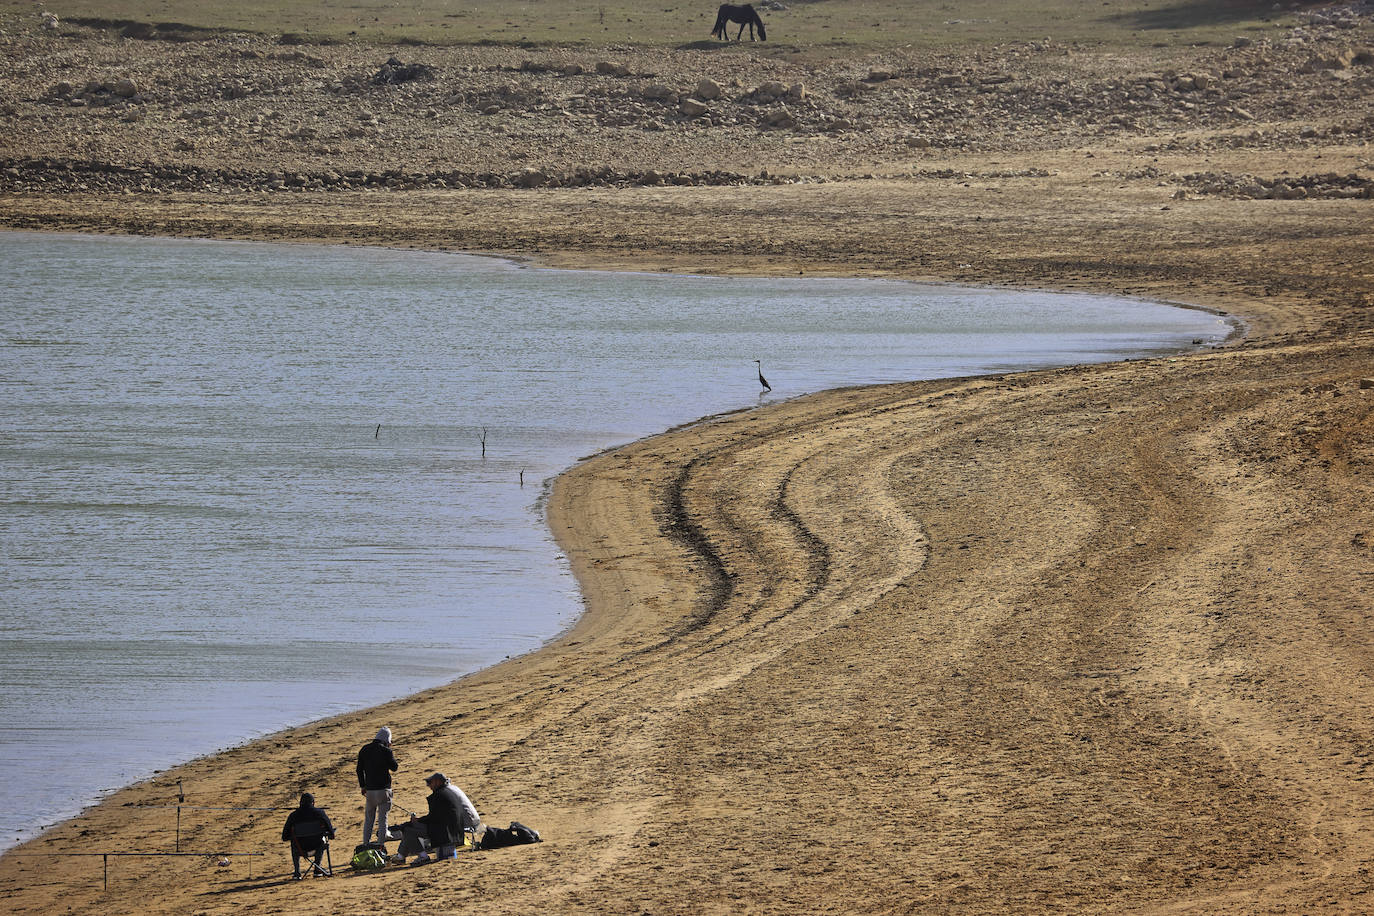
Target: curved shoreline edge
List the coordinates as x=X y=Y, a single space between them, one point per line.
x=682 y=526
x=1112 y=620
x=615 y=715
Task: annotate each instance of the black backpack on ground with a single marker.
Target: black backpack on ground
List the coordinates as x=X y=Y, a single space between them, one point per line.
x=517 y=834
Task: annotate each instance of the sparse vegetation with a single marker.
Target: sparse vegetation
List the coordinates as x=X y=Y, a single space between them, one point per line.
x=803 y=25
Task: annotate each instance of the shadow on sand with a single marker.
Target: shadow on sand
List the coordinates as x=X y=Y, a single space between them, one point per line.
x=261 y=883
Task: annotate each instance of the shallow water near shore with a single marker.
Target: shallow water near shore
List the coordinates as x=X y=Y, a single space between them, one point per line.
x=243 y=486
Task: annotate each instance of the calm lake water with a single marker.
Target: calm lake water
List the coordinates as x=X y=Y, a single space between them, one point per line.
x=242 y=485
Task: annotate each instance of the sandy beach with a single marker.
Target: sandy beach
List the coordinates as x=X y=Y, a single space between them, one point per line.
x=1094 y=639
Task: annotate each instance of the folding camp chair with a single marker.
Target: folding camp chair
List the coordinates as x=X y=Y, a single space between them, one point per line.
x=309 y=841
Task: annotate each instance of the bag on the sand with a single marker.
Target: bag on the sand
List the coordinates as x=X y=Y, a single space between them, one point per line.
x=517 y=834
x=368 y=856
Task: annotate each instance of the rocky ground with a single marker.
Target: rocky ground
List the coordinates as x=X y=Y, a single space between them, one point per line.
x=92 y=109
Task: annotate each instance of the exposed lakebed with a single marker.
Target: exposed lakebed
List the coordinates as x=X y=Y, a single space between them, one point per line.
x=248 y=485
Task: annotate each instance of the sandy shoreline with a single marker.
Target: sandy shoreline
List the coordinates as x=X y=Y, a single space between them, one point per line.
x=1091 y=639
x=720 y=560
x=156 y=765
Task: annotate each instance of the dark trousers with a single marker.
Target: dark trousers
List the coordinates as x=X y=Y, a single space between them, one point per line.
x=414 y=838
x=299 y=852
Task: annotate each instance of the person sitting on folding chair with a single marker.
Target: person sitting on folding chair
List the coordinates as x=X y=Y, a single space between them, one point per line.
x=309 y=831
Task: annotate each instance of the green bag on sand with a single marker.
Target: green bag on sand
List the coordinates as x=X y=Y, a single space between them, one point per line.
x=368 y=857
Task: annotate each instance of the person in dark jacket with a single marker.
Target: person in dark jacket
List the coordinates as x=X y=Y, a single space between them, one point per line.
x=450 y=813
x=376 y=763
x=307 y=813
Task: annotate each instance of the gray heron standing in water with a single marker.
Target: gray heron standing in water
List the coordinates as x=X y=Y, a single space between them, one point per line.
x=763 y=381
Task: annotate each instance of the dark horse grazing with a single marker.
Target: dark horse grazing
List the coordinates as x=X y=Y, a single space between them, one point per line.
x=744 y=15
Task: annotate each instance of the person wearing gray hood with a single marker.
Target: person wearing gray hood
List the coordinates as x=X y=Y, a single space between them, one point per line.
x=376 y=763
